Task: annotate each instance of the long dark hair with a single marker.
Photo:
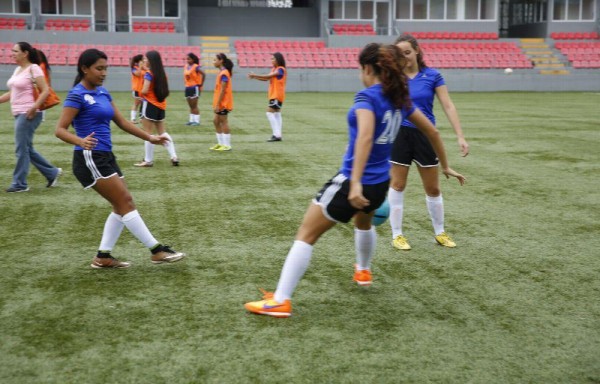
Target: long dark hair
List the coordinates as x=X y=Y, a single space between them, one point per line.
x=87 y=59
x=194 y=58
x=388 y=64
x=43 y=59
x=279 y=59
x=32 y=55
x=159 y=77
x=135 y=60
x=227 y=63
x=415 y=45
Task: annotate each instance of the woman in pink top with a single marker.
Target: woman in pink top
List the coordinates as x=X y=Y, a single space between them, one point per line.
x=27 y=116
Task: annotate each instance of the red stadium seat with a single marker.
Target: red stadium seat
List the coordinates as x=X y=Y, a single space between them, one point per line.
x=20 y=24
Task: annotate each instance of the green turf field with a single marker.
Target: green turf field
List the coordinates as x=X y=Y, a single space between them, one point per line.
x=518 y=301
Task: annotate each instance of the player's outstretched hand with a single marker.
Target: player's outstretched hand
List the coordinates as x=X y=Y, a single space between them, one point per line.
x=158 y=139
x=450 y=172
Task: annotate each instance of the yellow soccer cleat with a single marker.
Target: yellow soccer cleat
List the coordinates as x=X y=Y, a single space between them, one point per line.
x=223 y=148
x=362 y=278
x=269 y=307
x=215 y=147
x=400 y=242
x=445 y=240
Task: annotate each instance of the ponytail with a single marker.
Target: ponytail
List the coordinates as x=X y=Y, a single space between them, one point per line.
x=388 y=63
x=32 y=54
x=227 y=63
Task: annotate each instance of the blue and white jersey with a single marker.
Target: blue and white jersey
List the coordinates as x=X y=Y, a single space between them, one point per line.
x=95 y=114
x=422 y=92
x=387 y=124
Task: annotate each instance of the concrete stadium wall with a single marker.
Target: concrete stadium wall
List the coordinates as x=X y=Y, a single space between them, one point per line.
x=209 y=21
x=318 y=80
x=580 y=26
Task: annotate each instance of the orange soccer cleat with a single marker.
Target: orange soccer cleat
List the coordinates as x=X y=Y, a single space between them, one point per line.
x=362 y=278
x=269 y=307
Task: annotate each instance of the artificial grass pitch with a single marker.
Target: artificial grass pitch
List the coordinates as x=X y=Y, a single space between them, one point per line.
x=515 y=302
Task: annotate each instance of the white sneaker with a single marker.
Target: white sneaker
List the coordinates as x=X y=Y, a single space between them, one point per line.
x=54 y=182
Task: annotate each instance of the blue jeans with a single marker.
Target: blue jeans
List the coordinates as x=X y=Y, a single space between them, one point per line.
x=26 y=154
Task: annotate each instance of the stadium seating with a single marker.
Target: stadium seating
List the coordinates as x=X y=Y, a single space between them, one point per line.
x=118 y=55
x=75 y=25
x=353 y=29
x=575 y=35
x=12 y=23
x=474 y=55
x=581 y=54
x=310 y=54
x=154 y=26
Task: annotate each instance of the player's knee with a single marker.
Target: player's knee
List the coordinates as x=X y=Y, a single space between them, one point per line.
x=398 y=185
x=433 y=191
x=125 y=204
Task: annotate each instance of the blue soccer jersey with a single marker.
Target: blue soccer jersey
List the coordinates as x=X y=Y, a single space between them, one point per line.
x=95 y=114
x=387 y=124
x=422 y=92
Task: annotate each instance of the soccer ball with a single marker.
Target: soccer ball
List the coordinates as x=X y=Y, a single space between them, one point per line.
x=508 y=71
x=381 y=213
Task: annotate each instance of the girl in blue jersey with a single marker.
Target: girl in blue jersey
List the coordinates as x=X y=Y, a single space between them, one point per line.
x=90 y=109
x=361 y=185
x=412 y=146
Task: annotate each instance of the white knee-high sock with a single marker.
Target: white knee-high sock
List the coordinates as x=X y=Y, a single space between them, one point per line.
x=227 y=139
x=435 y=206
x=273 y=121
x=196 y=119
x=396 y=201
x=149 y=152
x=279 y=130
x=135 y=224
x=112 y=231
x=170 y=145
x=191 y=118
x=220 y=138
x=364 y=242
x=296 y=263
x=132 y=115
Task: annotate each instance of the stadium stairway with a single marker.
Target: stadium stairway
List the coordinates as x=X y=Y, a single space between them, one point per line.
x=542 y=57
x=210 y=46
